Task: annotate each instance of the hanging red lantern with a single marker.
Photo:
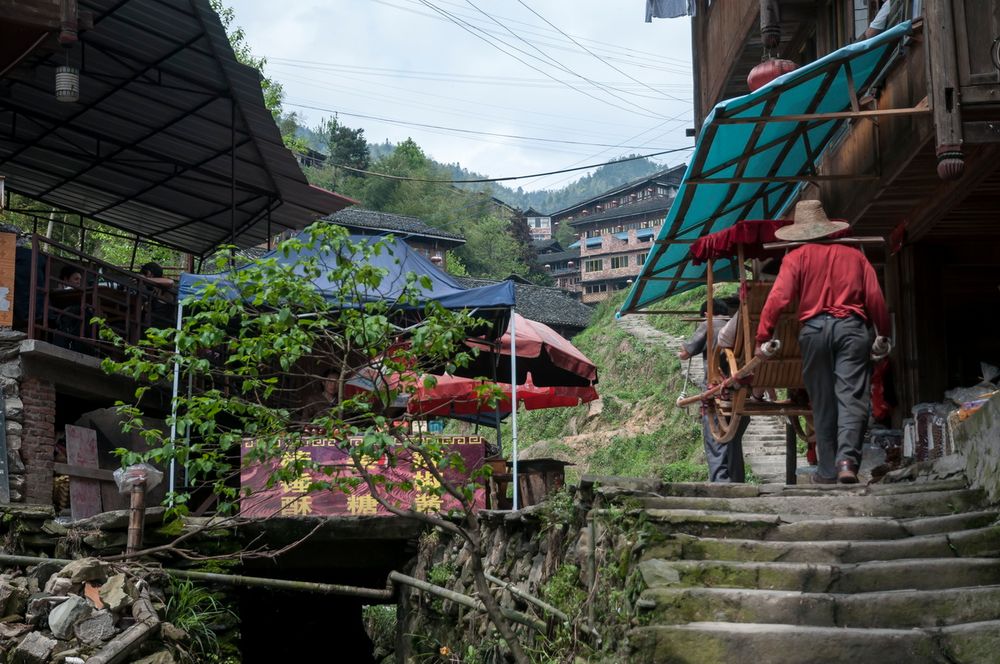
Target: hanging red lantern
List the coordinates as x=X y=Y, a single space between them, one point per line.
x=767 y=71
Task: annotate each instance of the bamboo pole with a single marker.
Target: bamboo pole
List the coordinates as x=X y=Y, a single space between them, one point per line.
x=465 y=600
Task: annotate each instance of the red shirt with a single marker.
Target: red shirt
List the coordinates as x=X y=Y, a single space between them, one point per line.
x=826 y=278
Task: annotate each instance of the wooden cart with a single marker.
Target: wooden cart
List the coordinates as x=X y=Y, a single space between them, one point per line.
x=738 y=384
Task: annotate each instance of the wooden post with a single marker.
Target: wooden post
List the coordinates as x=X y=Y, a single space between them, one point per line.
x=710 y=350
x=136 y=516
x=945 y=88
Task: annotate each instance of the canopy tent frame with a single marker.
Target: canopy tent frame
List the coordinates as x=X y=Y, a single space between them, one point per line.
x=779 y=134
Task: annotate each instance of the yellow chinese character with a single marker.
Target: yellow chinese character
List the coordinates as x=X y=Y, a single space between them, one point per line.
x=425 y=481
x=362 y=504
x=299 y=485
x=426 y=502
x=296 y=505
x=290 y=458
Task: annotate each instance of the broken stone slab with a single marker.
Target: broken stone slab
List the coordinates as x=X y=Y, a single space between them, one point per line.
x=159 y=657
x=96 y=629
x=14 y=594
x=117 y=520
x=42 y=572
x=59 y=585
x=35 y=648
x=173 y=633
x=39 y=606
x=63 y=618
x=13 y=630
x=13 y=408
x=85 y=569
x=117 y=593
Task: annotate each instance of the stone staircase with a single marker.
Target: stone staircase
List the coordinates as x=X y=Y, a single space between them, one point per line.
x=775 y=574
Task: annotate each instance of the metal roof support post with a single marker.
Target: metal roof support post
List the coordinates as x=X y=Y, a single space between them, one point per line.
x=171 y=484
x=232 y=170
x=513 y=400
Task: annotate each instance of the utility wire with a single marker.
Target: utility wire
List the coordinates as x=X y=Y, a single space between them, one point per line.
x=620 y=71
x=464 y=131
x=608 y=89
x=473 y=31
x=512 y=177
x=640 y=59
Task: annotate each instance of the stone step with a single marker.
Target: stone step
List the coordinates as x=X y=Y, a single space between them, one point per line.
x=898 y=609
x=979 y=542
x=787 y=527
x=901 y=505
x=726 y=490
x=906 y=574
x=704 y=642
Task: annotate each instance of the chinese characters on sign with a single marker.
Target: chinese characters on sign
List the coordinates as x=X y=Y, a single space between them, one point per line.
x=294 y=498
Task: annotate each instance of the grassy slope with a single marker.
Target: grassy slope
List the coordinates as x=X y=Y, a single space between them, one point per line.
x=639 y=431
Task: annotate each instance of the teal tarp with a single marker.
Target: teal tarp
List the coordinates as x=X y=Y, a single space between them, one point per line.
x=766 y=151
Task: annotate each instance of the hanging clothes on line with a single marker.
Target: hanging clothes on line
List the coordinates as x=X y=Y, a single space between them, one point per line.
x=668 y=9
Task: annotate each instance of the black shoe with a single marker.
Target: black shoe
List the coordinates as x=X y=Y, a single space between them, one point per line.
x=819 y=479
x=847 y=472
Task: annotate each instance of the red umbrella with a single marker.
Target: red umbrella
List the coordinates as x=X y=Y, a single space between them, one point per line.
x=549 y=357
x=453 y=395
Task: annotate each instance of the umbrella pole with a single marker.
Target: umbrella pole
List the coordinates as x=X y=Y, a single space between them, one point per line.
x=173 y=402
x=513 y=400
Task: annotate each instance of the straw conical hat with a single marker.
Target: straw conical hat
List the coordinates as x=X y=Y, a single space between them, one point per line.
x=811 y=223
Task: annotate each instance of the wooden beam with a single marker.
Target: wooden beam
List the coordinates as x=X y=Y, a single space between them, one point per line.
x=805 y=177
x=843 y=115
x=83 y=472
x=871 y=239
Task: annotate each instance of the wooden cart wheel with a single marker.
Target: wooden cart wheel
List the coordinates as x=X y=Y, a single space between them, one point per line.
x=724 y=416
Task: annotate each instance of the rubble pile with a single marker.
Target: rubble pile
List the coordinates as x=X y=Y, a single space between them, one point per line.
x=85 y=612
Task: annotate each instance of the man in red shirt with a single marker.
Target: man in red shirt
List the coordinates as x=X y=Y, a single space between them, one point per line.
x=839 y=300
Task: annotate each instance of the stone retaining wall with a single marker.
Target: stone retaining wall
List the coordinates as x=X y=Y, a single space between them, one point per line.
x=11 y=376
x=978 y=439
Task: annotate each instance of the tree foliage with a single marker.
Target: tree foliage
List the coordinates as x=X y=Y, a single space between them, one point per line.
x=255 y=343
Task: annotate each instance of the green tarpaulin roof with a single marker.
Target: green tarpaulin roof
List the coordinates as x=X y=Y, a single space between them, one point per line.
x=749 y=163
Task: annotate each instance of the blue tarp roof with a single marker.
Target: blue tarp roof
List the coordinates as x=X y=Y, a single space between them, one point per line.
x=767 y=158
x=398 y=261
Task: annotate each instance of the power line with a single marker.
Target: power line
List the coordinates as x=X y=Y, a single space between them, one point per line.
x=404 y=178
x=623 y=73
x=463 y=131
x=644 y=57
x=473 y=31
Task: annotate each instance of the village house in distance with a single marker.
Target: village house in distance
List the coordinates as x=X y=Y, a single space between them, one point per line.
x=614 y=233
x=432 y=242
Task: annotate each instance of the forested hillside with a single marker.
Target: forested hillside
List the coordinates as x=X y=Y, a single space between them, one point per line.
x=544 y=200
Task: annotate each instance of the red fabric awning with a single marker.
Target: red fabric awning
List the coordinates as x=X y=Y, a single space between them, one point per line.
x=453 y=395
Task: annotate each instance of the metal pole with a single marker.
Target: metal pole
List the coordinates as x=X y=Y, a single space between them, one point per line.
x=173 y=402
x=513 y=399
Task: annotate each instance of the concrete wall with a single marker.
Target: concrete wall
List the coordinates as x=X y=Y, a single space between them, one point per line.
x=978 y=439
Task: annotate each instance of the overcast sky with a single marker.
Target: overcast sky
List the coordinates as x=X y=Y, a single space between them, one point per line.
x=408 y=61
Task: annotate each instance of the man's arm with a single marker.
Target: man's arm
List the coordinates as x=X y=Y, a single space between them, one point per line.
x=784 y=290
x=875 y=307
x=696 y=344
x=727 y=335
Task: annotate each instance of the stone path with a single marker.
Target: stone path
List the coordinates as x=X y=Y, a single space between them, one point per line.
x=764 y=440
x=788 y=575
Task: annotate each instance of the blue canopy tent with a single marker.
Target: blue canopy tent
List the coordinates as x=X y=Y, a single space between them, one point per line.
x=755 y=153
x=494 y=302
x=398 y=260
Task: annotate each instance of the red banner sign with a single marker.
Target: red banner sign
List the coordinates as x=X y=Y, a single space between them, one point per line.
x=294 y=499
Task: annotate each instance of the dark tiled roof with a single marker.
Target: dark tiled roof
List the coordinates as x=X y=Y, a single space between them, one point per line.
x=542 y=246
x=392 y=223
x=671 y=175
x=551 y=306
x=555 y=257
x=658 y=204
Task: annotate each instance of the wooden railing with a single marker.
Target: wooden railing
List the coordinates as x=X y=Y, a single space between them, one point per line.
x=68 y=289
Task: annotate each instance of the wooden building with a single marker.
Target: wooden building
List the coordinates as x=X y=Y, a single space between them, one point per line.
x=911 y=155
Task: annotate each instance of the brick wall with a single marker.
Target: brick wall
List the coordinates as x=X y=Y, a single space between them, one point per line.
x=38 y=438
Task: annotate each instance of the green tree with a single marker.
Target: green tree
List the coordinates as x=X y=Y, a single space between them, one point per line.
x=345 y=146
x=269 y=328
x=491 y=251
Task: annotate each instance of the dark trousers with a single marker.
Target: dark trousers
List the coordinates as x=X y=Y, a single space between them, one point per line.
x=725 y=460
x=835 y=368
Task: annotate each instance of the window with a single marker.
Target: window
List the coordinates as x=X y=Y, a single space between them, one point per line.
x=619 y=262
x=640 y=259
x=597 y=288
x=593 y=265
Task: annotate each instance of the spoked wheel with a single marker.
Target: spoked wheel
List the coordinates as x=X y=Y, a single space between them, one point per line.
x=724 y=415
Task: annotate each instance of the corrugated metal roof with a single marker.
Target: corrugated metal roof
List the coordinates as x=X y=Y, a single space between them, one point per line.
x=749 y=161
x=148 y=146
